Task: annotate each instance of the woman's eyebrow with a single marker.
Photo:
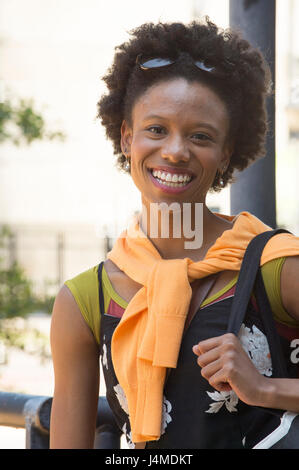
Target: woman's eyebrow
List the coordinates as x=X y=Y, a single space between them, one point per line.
x=207 y=126
x=154 y=116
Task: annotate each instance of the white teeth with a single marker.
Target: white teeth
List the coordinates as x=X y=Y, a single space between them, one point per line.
x=172 y=185
x=170 y=177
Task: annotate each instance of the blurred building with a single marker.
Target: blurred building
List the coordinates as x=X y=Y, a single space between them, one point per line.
x=64 y=200
x=287 y=114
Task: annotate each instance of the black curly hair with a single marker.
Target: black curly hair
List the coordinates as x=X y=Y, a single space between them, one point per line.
x=243 y=84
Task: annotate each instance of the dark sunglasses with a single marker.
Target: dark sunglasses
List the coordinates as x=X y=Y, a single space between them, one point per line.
x=159 y=62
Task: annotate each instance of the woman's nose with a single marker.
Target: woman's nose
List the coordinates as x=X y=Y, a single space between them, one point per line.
x=174 y=149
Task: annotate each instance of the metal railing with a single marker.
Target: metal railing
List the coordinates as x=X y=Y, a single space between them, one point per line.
x=32 y=413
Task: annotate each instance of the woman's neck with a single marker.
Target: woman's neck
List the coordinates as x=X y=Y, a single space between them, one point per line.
x=179 y=232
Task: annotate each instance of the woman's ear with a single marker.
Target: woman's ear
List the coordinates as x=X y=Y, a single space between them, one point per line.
x=126 y=138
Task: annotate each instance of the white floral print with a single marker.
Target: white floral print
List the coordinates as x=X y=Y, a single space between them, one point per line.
x=166 y=409
x=104 y=357
x=255 y=344
x=229 y=399
x=128 y=435
x=120 y=395
x=166 y=418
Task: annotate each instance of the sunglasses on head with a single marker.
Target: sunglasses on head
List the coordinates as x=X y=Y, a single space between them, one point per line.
x=160 y=62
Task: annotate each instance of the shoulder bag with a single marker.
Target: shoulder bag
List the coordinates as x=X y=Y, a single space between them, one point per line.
x=286 y=435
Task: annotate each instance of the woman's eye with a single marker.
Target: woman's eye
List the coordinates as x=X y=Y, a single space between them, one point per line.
x=200 y=136
x=156 y=129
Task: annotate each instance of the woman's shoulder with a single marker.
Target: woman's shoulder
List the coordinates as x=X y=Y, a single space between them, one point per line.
x=280 y=283
x=280 y=245
x=84 y=285
x=290 y=286
x=285 y=246
x=84 y=288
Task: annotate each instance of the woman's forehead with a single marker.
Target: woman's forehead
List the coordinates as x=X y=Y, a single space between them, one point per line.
x=167 y=98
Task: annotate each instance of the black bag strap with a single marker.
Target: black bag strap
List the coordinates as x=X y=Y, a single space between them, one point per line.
x=250 y=278
x=101 y=295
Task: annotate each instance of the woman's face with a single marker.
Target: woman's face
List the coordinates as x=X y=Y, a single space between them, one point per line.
x=179 y=131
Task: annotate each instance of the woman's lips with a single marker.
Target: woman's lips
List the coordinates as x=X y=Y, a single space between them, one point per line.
x=168 y=189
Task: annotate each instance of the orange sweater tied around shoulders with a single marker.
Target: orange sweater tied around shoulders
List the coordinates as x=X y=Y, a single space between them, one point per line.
x=147 y=339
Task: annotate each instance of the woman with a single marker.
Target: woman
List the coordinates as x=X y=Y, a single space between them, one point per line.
x=185 y=107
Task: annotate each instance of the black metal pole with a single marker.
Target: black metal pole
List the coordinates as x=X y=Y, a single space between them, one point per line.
x=33 y=413
x=254 y=189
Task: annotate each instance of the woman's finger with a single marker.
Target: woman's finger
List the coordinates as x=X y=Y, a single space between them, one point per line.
x=210 y=356
x=206 y=345
x=220 y=380
x=211 y=369
x=211 y=343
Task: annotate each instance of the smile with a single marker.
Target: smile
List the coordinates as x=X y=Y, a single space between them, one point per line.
x=170 y=182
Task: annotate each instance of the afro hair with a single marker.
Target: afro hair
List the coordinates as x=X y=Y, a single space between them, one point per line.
x=243 y=85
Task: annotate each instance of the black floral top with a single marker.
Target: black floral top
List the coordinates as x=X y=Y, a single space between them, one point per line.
x=195 y=415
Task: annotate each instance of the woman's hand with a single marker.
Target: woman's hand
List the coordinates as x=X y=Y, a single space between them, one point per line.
x=226 y=366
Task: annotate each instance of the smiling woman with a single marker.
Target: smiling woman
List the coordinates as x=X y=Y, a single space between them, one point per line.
x=173 y=121
x=229 y=66
x=185 y=107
